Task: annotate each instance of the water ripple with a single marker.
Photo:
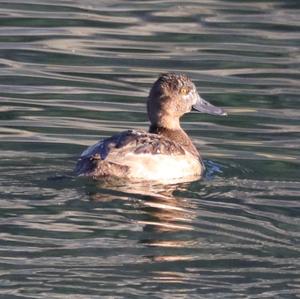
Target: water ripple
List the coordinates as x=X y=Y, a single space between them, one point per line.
x=73 y=72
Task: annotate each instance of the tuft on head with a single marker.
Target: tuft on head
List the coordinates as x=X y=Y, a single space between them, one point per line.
x=173 y=81
x=171 y=85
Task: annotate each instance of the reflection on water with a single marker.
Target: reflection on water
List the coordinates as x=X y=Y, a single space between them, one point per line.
x=162 y=214
x=73 y=72
x=161 y=209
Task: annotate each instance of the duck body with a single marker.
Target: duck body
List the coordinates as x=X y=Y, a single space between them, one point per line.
x=139 y=155
x=166 y=152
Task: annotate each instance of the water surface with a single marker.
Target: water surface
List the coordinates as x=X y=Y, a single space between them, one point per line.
x=73 y=72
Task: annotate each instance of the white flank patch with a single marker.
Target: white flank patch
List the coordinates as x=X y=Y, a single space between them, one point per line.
x=161 y=167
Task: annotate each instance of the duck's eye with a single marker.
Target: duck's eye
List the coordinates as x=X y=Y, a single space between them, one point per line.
x=184 y=91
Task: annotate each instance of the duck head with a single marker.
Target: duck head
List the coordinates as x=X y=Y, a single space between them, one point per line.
x=173 y=95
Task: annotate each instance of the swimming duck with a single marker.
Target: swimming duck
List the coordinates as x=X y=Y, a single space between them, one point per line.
x=165 y=152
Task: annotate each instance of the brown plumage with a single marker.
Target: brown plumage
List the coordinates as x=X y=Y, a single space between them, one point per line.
x=165 y=151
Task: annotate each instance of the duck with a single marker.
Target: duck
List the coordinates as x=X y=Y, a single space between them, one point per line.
x=165 y=152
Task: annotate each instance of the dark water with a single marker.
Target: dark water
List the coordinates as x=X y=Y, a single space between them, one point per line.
x=72 y=72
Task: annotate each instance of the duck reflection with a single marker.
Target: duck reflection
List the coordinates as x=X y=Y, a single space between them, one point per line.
x=162 y=212
x=166 y=213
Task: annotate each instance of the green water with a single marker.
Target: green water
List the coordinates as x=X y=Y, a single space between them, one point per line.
x=73 y=72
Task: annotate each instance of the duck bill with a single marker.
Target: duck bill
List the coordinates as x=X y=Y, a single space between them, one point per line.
x=205 y=107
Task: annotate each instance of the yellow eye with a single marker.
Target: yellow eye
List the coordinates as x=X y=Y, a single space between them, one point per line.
x=184 y=91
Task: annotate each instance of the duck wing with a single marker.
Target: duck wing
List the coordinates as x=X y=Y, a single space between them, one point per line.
x=109 y=155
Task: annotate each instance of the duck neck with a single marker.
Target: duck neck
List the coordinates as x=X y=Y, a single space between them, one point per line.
x=177 y=135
